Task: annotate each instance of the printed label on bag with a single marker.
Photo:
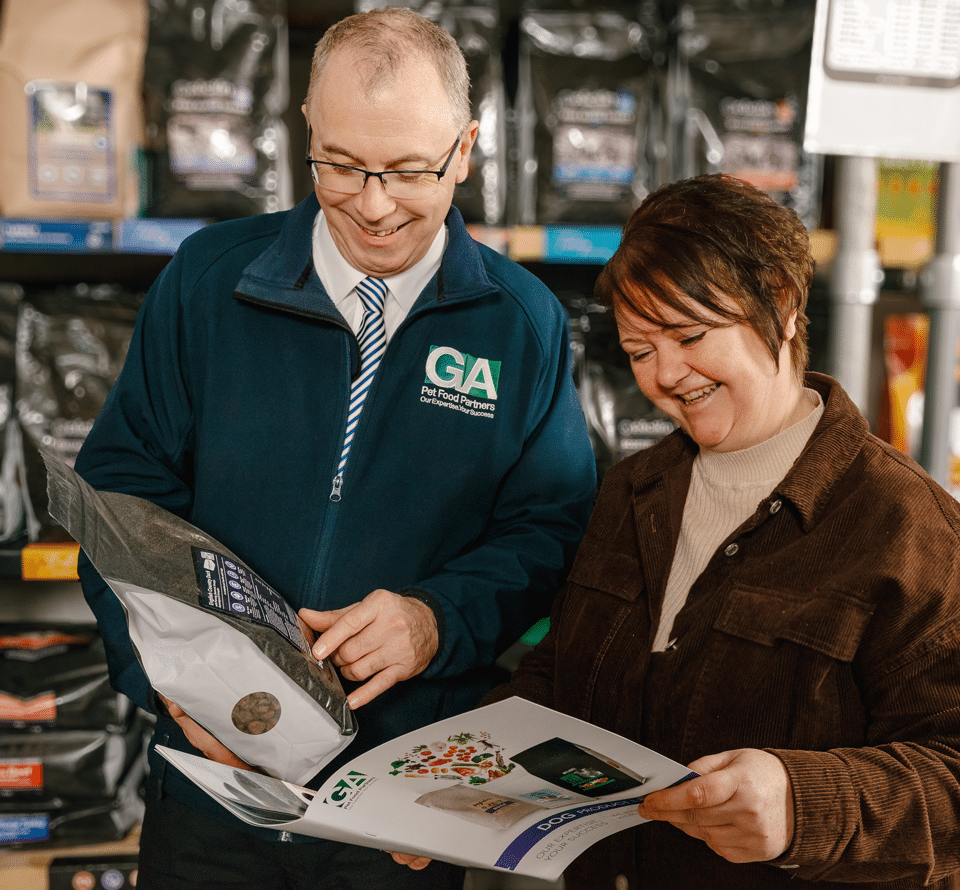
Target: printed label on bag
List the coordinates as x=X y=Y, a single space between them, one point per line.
x=228 y=587
x=16 y=828
x=21 y=774
x=72 y=151
x=595 y=144
x=40 y=708
x=36 y=645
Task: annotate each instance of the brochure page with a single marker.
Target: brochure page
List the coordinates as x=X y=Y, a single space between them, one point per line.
x=511 y=786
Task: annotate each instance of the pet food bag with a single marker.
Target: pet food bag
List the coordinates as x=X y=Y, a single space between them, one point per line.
x=71 y=341
x=211 y=635
x=216 y=88
x=54 y=677
x=71 y=111
x=586 y=103
x=740 y=92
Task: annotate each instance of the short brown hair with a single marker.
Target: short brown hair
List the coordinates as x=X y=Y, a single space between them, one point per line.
x=387 y=37
x=699 y=240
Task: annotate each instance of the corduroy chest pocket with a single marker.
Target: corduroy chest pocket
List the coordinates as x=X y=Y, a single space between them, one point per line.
x=603 y=624
x=607 y=571
x=830 y=625
x=782 y=665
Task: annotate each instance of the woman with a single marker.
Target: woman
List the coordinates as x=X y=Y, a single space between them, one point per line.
x=770 y=594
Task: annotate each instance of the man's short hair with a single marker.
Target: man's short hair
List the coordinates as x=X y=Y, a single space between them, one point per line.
x=385 y=39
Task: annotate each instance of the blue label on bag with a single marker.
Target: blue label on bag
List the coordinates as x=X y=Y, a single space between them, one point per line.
x=16 y=828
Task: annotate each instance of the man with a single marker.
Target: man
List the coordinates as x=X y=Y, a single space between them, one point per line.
x=422 y=538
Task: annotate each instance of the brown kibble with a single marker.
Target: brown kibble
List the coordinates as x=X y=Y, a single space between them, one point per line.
x=256 y=713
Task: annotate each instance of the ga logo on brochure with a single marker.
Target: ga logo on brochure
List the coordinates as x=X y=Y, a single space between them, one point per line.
x=347 y=789
x=449 y=368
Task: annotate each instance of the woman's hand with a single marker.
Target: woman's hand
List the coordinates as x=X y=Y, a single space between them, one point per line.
x=415 y=862
x=741 y=806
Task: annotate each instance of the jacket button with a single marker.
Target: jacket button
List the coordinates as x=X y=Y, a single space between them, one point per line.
x=732 y=549
x=775 y=506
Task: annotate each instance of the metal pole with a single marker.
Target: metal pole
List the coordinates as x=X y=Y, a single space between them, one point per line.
x=941 y=297
x=856 y=277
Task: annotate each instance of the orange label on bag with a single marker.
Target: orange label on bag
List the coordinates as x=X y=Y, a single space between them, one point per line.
x=40 y=708
x=49 y=562
x=34 y=641
x=21 y=774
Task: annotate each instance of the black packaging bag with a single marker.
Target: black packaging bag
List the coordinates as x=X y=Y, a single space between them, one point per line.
x=621 y=420
x=59 y=819
x=216 y=87
x=739 y=84
x=82 y=764
x=55 y=677
x=71 y=343
x=588 y=105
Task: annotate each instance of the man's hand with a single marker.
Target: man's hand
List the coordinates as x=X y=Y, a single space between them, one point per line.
x=741 y=806
x=385 y=638
x=201 y=739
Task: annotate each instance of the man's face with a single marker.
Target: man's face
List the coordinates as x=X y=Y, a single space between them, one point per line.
x=406 y=125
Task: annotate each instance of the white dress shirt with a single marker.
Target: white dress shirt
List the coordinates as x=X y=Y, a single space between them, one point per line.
x=340 y=279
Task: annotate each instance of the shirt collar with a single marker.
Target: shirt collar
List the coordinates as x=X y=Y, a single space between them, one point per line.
x=339 y=278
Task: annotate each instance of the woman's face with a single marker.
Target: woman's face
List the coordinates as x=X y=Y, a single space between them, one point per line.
x=719 y=383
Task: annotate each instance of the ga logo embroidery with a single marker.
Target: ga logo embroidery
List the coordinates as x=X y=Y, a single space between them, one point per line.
x=462 y=382
x=346 y=791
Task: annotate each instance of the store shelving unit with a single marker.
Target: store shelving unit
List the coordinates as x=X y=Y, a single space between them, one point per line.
x=567 y=258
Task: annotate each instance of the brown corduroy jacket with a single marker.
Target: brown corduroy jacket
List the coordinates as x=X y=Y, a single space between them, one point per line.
x=825 y=629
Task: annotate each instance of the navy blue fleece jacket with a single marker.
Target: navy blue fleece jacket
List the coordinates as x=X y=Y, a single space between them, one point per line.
x=469 y=482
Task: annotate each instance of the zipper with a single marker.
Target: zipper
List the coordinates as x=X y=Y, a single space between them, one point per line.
x=327 y=530
x=336 y=490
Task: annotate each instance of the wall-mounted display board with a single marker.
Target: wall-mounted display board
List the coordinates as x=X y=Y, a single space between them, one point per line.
x=885 y=79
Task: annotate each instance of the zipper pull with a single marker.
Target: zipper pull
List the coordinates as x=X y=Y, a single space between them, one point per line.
x=337 y=485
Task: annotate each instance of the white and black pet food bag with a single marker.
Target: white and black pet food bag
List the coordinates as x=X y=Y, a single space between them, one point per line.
x=211 y=635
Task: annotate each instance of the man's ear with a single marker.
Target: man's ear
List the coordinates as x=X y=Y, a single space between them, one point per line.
x=466 y=146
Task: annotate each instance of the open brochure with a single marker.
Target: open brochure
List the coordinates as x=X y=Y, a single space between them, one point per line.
x=511 y=786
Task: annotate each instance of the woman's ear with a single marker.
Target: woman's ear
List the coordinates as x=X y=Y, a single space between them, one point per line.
x=790 y=328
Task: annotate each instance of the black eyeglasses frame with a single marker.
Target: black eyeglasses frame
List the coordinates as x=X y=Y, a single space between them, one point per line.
x=368 y=173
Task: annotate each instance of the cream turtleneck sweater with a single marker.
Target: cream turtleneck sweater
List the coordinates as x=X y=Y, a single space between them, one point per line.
x=725 y=489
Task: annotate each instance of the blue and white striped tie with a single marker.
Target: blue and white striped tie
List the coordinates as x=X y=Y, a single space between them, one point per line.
x=372 y=339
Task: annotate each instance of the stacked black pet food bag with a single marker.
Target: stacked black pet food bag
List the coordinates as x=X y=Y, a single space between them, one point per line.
x=71 y=765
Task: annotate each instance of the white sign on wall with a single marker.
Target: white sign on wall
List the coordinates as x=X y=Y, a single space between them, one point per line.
x=885 y=79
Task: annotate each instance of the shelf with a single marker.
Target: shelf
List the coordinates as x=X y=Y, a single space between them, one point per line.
x=130 y=270
x=130 y=252
x=47 y=251
x=590 y=245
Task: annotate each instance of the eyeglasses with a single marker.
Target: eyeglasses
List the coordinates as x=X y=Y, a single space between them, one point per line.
x=346 y=180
